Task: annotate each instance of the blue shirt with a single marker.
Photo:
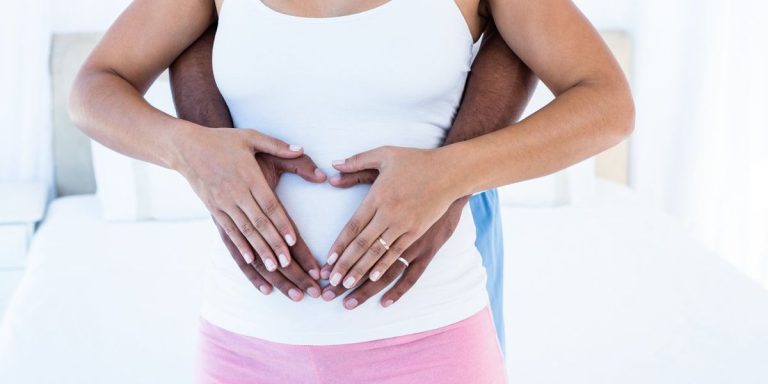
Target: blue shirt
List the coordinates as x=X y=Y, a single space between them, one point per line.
x=487 y=216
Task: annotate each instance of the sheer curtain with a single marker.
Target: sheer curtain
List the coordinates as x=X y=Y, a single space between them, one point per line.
x=25 y=92
x=701 y=146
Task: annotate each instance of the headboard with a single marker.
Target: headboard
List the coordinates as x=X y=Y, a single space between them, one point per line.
x=73 y=168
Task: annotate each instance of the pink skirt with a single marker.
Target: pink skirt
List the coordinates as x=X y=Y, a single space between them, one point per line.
x=464 y=352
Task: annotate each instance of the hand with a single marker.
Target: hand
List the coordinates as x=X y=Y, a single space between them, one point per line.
x=410 y=194
x=220 y=166
x=293 y=280
x=418 y=255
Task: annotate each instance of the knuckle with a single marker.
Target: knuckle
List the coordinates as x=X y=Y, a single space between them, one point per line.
x=246 y=229
x=261 y=223
x=270 y=207
x=396 y=250
x=354 y=226
x=360 y=242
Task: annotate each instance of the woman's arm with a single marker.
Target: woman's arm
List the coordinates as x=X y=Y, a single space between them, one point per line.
x=592 y=111
x=107 y=104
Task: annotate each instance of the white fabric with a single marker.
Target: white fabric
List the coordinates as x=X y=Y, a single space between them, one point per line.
x=25 y=135
x=130 y=189
x=700 y=149
x=339 y=86
x=621 y=296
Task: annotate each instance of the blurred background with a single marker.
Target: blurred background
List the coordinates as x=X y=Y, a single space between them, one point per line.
x=655 y=253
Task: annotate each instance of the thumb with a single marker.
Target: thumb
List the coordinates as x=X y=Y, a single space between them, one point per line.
x=303 y=166
x=346 y=180
x=261 y=143
x=364 y=160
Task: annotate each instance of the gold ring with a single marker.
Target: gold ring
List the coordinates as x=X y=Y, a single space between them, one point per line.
x=404 y=261
x=384 y=243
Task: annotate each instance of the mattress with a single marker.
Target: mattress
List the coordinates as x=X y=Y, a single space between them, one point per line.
x=607 y=291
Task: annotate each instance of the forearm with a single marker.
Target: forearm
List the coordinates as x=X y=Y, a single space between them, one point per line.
x=497 y=91
x=113 y=112
x=579 y=123
x=195 y=93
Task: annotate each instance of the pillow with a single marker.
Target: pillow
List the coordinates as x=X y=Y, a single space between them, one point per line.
x=130 y=189
x=572 y=185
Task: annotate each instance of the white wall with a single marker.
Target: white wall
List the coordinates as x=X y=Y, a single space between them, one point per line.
x=85 y=15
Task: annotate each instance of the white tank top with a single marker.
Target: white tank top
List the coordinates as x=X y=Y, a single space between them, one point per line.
x=392 y=75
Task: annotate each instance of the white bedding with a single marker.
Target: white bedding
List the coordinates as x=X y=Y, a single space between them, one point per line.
x=605 y=292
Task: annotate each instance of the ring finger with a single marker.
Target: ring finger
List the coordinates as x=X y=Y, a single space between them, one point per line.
x=381 y=246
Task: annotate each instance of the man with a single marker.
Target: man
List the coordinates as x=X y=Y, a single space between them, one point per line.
x=496 y=94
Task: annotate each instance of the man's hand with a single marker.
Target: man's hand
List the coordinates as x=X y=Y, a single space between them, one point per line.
x=298 y=277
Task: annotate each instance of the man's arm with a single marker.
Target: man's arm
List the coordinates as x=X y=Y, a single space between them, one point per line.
x=497 y=92
x=197 y=99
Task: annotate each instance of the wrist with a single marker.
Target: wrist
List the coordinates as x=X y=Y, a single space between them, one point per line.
x=453 y=158
x=183 y=139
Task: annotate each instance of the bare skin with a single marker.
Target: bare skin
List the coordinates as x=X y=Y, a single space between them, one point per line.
x=593 y=110
x=497 y=92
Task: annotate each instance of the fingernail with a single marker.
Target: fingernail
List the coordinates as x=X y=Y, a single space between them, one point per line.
x=387 y=303
x=349 y=282
x=248 y=258
x=294 y=294
x=283 y=260
x=350 y=304
x=271 y=266
x=313 y=291
x=375 y=275
x=290 y=240
x=264 y=289
x=294 y=147
x=328 y=295
x=338 y=162
x=319 y=173
x=332 y=258
x=314 y=274
x=324 y=274
x=335 y=179
x=335 y=279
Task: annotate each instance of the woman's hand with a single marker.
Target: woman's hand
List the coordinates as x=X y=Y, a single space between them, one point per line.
x=221 y=167
x=412 y=191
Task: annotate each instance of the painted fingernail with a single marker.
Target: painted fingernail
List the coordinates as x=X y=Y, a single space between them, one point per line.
x=387 y=303
x=375 y=275
x=313 y=291
x=335 y=279
x=349 y=282
x=294 y=147
x=271 y=266
x=332 y=258
x=265 y=290
x=350 y=304
x=248 y=258
x=338 y=162
x=283 y=260
x=328 y=295
x=319 y=173
x=335 y=179
x=324 y=274
x=294 y=294
x=290 y=240
x=314 y=274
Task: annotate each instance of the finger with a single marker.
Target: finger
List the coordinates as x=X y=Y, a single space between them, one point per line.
x=364 y=160
x=355 y=250
x=261 y=226
x=395 y=251
x=325 y=272
x=253 y=236
x=301 y=280
x=346 y=180
x=409 y=278
x=370 y=288
x=356 y=223
x=278 y=220
x=302 y=166
x=378 y=248
x=260 y=142
x=282 y=283
x=253 y=276
x=305 y=259
x=233 y=233
x=330 y=292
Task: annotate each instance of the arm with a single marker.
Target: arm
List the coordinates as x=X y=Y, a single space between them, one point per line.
x=593 y=110
x=496 y=94
x=107 y=104
x=197 y=99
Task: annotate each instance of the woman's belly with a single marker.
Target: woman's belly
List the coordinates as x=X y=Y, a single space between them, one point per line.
x=450 y=290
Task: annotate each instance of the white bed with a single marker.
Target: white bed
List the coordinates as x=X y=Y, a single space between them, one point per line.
x=606 y=291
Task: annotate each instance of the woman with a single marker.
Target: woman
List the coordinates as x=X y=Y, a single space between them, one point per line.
x=361 y=85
